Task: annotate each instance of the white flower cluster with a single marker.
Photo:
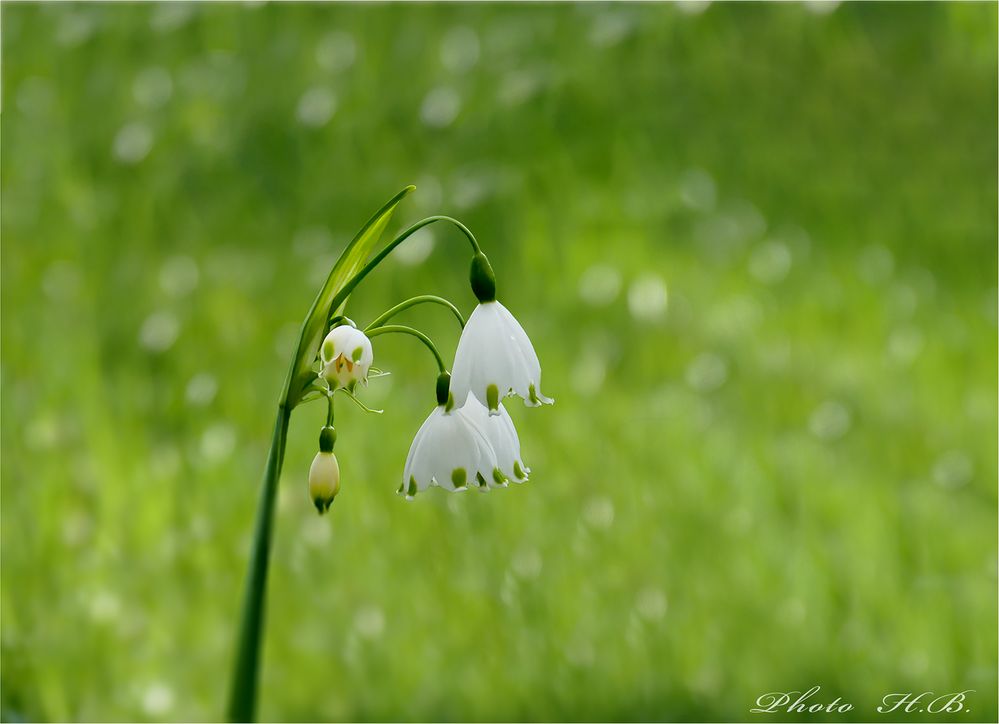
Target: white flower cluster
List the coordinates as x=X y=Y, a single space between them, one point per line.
x=469 y=439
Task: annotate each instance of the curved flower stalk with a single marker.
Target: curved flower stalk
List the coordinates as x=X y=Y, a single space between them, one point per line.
x=495 y=358
x=460 y=445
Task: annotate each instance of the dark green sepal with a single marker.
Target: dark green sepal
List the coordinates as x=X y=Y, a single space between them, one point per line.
x=443 y=388
x=482 y=278
x=327 y=439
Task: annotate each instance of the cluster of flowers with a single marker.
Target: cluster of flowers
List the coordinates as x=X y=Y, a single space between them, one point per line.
x=468 y=440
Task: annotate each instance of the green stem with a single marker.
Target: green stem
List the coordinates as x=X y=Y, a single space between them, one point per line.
x=378 y=258
x=422 y=299
x=243 y=696
x=400 y=329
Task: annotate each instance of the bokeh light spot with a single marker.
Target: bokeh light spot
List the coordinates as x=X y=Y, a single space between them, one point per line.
x=132 y=143
x=336 y=51
x=159 y=331
x=218 y=442
x=830 y=421
x=599 y=285
x=179 y=276
x=599 y=513
x=651 y=604
x=707 y=372
x=152 y=87
x=201 y=389
x=416 y=248
x=440 y=107
x=460 y=49
x=157 y=699
x=316 y=107
x=647 y=297
x=770 y=263
x=697 y=190
x=953 y=469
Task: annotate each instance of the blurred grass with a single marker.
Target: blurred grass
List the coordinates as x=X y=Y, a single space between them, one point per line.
x=784 y=476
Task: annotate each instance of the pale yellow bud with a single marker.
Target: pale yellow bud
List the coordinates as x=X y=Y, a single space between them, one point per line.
x=324 y=480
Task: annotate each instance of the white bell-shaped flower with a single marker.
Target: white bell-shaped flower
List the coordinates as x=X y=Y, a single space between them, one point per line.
x=502 y=436
x=346 y=355
x=494 y=359
x=449 y=450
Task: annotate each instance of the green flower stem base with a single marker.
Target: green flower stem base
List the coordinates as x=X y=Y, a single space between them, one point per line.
x=243 y=696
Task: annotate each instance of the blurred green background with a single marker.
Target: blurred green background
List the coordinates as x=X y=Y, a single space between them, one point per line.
x=755 y=247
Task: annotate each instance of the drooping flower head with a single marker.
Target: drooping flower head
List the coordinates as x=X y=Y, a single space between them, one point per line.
x=494 y=358
x=346 y=356
x=449 y=451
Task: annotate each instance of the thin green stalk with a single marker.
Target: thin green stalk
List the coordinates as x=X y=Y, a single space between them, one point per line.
x=401 y=329
x=390 y=247
x=329 y=409
x=243 y=696
x=412 y=302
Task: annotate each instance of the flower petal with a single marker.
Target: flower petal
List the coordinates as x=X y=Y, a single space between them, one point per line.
x=449 y=451
x=495 y=358
x=499 y=430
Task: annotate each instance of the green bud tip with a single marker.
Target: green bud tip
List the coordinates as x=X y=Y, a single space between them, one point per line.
x=482 y=278
x=443 y=388
x=327 y=439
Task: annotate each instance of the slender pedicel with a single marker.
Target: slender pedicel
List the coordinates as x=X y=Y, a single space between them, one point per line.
x=402 y=329
x=422 y=299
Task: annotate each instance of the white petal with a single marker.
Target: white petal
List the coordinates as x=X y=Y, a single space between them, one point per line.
x=352 y=343
x=495 y=350
x=502 y=436
x=450 y=451
x=414 y=449
x=355 y=349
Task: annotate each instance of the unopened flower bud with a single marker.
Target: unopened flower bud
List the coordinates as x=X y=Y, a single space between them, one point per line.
x=324 y=480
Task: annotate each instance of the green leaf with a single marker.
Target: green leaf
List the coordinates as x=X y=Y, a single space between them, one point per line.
x=350 y=262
